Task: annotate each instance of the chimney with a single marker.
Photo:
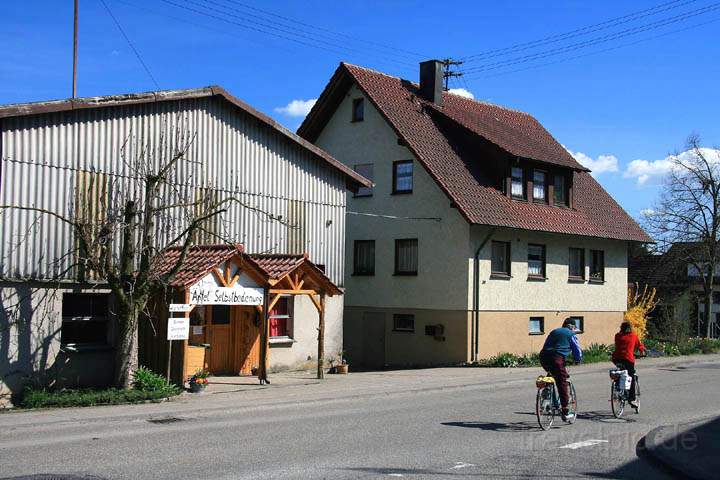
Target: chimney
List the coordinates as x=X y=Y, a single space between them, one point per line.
x=431 y=81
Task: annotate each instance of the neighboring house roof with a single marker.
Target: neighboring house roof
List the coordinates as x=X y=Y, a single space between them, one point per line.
x=648 y=270
x=415 y=121
x=36 y=108
x=202 y=259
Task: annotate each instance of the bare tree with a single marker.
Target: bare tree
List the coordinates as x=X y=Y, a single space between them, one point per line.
x=131 y=218
x=688 y=215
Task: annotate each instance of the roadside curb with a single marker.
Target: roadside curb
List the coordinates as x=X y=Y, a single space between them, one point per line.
x=670 y=458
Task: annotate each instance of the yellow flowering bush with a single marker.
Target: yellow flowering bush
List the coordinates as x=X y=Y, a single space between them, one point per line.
x=640 y=304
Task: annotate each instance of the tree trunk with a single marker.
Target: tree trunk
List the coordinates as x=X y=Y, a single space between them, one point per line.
x=126 y=348
x=707 y=314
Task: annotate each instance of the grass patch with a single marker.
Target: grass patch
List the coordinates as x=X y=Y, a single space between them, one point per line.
x=147 y=386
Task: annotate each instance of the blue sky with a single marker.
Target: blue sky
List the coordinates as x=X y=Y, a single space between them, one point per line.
x=624 y=104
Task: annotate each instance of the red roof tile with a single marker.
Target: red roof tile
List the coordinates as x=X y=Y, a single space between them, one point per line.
x=594 y=212
x=200 y=260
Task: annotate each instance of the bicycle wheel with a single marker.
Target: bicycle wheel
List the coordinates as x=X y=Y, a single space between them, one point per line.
x=617 y=400
x=572 y=403
x=544 y=407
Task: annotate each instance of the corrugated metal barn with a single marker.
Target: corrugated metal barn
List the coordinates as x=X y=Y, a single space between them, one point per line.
x=58 y=155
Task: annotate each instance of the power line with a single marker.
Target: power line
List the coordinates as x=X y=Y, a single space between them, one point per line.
x=332 y=32
x=302 y=39
x=127 y=39
x=595 y=41
x=613 y=22
x=597 y=52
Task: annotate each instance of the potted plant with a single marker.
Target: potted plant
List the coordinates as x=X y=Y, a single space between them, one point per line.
x=342 y=366
x=199 y=381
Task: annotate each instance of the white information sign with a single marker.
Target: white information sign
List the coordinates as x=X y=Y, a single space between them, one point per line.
x=237 y=295
x=180 y=307
x=178 y=328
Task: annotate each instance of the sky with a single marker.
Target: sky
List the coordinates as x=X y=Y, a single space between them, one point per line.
x=620 y=84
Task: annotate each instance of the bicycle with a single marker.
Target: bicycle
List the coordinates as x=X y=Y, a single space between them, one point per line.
x=619 y=396
x=547 y=401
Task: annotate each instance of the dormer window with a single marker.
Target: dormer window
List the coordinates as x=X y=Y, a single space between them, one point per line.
x=539 y=186
x=517 y=183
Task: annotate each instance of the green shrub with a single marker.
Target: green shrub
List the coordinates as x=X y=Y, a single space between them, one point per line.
x=147 y=380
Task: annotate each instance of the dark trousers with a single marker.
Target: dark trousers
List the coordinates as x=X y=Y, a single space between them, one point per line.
x=630 y=367
x=554 y=364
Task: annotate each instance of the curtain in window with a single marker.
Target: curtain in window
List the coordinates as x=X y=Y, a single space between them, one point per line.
x=517 y=182
x=407 y=253
x=539 y=185
x=536 y=260
x=279 y=317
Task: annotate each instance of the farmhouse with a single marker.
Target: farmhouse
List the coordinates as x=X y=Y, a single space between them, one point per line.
x=481 y=234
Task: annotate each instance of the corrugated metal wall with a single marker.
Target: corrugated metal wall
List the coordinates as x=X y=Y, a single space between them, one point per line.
x=232 y=152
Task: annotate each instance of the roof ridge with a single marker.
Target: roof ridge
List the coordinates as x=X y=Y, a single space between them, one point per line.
x=372 y=70
x=490 y=104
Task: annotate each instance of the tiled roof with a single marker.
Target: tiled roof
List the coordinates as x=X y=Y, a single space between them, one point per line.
x=36 y=108
x=198 y=262
x=415 y=121
x=648 y=269
x=277 y=266
x=201 y=259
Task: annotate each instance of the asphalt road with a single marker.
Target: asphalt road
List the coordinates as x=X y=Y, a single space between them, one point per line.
x=483 y=430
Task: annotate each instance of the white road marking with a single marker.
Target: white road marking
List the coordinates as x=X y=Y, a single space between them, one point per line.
x=585 y=443
x=459 y=465
x=395 y=474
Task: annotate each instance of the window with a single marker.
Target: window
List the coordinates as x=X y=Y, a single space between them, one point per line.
x=358 y=110
x=500 y=261
x=403 y=322
x=579 y=323
x=403 y=176
x=576 y=264
x=536 y=261
x=366 y=170
x=597 y=266
x=539 y=186
x=536 y=325
x=406 y=256
x=281 y=319
x=517 y=183
x=84 y=319
x=364 y=257
x=560 y=190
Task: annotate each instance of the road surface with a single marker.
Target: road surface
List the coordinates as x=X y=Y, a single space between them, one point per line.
x=485 y=429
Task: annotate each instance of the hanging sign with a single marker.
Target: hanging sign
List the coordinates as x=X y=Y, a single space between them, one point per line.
x=180 y=307
x=236 y=295
x=178 y=328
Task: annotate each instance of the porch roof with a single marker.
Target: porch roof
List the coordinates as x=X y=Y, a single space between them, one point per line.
x=202 y=259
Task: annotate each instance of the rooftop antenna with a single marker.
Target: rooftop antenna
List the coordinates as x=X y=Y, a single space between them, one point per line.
x=75 y=51
x=447 y=73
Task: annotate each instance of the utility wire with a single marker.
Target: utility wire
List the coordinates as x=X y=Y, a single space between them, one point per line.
x=268 y=30
x=597 y=52
x=291 y=30
x=392 y=217
x=613 y=22
x=595 y=41
x=316 y=28
x=127 y=39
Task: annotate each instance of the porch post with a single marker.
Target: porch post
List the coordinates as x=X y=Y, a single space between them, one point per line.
x=262 y=368
x=321 y=338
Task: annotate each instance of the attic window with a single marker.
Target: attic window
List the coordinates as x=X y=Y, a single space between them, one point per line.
x=560 y=190
x=358 y=110
x=517 y=185
x=539 y=186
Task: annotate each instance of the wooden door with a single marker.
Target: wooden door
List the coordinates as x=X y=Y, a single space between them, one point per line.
x=247 y=340
x=220 y=337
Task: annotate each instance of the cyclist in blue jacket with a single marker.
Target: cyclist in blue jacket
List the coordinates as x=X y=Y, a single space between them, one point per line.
x=558 y=345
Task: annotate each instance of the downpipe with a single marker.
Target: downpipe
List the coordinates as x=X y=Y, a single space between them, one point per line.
x=475 y=327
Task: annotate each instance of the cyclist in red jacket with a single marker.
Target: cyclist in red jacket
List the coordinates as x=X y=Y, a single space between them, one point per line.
x=626 y=342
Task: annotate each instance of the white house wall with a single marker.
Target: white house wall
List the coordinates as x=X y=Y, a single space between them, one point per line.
x=441 y=282
x=235 y=153
x=520 y=294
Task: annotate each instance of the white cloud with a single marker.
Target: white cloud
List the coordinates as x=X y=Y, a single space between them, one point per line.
x=297 y=108
x=647 y=212
x=652 y=171
x=602 y=164
x=461 y=92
